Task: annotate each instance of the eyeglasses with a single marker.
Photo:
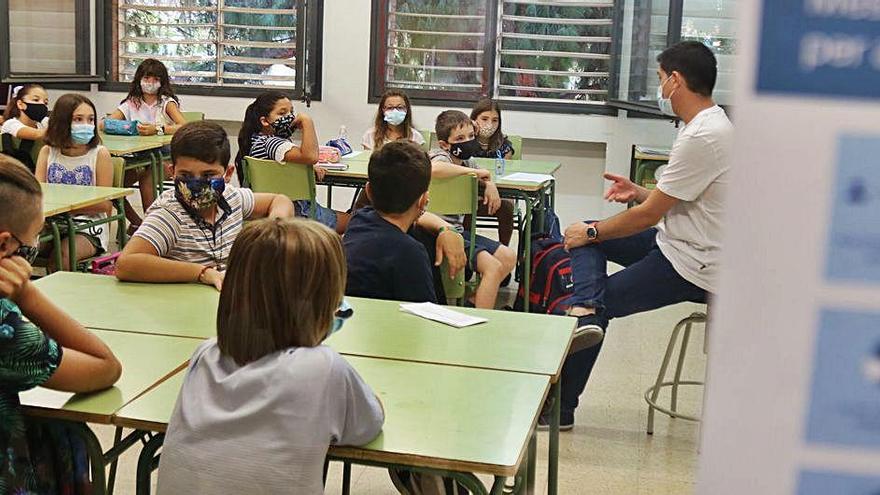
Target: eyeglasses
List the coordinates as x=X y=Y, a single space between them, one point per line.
x=400 y=108
x=29 y=253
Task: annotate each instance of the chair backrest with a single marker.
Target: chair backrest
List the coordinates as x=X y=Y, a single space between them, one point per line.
x=454 y=195
x=516 y=141
x=429 y=139
x=193 y=116
x=290 y=179
x=118 y=170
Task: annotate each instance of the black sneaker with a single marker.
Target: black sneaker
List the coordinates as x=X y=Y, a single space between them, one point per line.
x=566 y=421
x=588 y=333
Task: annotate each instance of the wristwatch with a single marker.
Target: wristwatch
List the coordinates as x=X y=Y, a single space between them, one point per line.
x=592 y=232
x=160 y=129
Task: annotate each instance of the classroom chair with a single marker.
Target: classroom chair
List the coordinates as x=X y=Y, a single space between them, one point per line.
x=456 y=196
x=13 y=143
x=193 y=116
x=290 y=179
x=429 y=139
x=653 y=392
x=516 y=142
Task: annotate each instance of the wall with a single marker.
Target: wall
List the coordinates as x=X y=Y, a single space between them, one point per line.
x=585 y=144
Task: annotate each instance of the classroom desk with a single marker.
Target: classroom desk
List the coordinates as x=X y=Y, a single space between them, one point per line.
x=100 y=301
x=537 y=197
x=127 y=145
x=481 y=421
x=61 y=199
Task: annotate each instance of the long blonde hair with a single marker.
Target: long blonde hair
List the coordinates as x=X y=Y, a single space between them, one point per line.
x=284 y=282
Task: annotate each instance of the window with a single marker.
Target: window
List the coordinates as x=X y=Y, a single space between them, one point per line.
x=240 y=44
x=49 y=41
x=528 y=51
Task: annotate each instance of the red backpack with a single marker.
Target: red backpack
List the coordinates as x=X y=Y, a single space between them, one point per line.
x=550 y=282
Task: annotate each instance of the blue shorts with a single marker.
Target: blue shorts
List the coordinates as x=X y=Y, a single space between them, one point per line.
x=323 y=214
x=480 y=244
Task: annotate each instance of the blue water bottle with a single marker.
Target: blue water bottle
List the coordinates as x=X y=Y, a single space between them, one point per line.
x=499 y=165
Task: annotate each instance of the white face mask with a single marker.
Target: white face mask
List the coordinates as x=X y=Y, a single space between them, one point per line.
x=486 y=130
x=150 y=88
x=665 y=104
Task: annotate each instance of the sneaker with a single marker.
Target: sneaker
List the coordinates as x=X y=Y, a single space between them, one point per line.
x=588 y=333
x=566 y=421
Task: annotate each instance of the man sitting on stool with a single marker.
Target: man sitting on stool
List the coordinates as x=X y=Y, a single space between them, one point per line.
x=670 y=241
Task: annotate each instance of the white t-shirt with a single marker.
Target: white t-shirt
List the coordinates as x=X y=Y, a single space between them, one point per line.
x=690 y=233
x=264 y=427
x=370 y=136
x=12 y=126
x=149 y=114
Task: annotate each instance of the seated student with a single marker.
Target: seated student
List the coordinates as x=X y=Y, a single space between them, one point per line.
x=486 y=114
x=40 y=345
x=74 y=156
x=458 y=143
x=393 y=122
x=385 y=260
x=269 y=123
x=26 y=118
x=262 y=403
x=188 y=232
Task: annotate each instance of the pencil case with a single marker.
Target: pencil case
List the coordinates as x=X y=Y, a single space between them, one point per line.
x=328 y=154
x=121 y=127
x=105 y=265
x=340 y=144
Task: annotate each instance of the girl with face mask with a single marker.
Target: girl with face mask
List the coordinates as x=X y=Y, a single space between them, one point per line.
x=26 y=119
x=393 y=122
x=486 y=115
x=73 y=155
x=266 y=131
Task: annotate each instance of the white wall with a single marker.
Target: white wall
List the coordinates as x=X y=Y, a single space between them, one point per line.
x=578 y=141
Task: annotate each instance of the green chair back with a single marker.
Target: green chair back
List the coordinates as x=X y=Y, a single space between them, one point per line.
x=455 y=196
x=290 y=179
x=516 y=141
x=35 y=150
x=429 y=139
x=193 y=116
x=118 y=171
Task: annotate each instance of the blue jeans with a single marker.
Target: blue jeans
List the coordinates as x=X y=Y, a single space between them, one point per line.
x=647 y=282
x=323 y=214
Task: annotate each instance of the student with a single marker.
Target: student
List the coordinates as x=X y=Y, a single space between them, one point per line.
x=26 y=118
x=150 y=101
x=188 y=232
x=73 y=155
x=458 y=143
x=386 y=255
x=262 y=403
x=486 y=115
x=40 y=345
x=393 y=122
x=269 y=123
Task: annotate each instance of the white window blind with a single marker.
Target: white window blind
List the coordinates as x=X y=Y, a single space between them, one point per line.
x=558 y=51
x=229 y=43
x=436 y=46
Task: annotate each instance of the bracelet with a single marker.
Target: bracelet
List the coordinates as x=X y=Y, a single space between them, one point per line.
x=447 y=229
x=202 y=273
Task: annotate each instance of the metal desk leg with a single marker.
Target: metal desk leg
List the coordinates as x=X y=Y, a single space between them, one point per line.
x=146 y=460
x=56 y=244
x=111 y=478
x=553 y=456
x=533 y=458
x=527 y=255
x=121 y=235
x=71 y=244
x=346 y=478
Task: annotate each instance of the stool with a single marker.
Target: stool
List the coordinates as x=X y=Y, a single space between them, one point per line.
x=653 y=392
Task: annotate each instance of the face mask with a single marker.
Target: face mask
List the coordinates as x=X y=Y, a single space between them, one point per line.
x=343 y=313
x=198 y=194
x=665 y=104
x=283 y=126
x=36 y=111
x=465 y=150
x=29 y=253
x=395 y=117
x=486 y=131
x=82 y=133
x=150 y=88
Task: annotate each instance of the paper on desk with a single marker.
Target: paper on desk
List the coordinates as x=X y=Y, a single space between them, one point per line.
x=352 y=154
x=333 y=166
x=526 y=177
x=446 y=316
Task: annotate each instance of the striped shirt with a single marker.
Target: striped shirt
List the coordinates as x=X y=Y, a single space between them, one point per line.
x=266 y=147
x=174 y=234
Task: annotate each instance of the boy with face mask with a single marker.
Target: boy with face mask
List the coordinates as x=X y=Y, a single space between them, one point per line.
x=187 y=234
x=458 y=143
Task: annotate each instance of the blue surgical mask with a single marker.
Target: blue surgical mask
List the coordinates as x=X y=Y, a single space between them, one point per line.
x=342 y=313
x=82 y=133
x=665 y=104
x=395 y=117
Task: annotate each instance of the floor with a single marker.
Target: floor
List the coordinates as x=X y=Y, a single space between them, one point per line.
x=608 y=452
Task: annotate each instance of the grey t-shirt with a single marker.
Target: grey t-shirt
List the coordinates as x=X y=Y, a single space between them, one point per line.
x=264 y=427
x=441 y=155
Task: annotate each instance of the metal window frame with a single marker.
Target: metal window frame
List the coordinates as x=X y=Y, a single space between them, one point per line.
x=83 y=14
x=308 y=67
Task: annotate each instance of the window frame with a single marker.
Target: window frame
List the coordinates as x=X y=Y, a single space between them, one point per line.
x=83 y=12
x=312 y=62
x=378 y=55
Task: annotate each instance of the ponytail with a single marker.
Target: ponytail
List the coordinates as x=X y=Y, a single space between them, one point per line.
x=261 y=107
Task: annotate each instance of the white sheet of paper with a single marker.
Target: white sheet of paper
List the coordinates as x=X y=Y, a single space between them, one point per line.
x=334 y=166
x=353 y=154
x=526 y=177
x=443 y=315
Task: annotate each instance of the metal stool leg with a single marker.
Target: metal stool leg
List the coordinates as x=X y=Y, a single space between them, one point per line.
x=681 y=353
x=662 y=374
